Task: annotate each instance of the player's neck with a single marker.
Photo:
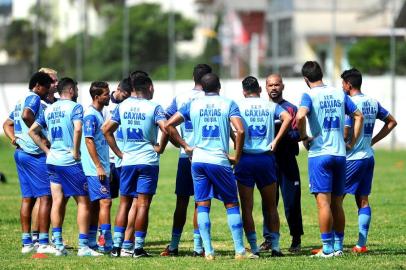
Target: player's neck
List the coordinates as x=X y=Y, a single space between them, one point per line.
x=277 y=99
x=66 y=96
x=316 y=84
x=97 y=105
x=139 y=94
x=198 y=87
x=355 y=92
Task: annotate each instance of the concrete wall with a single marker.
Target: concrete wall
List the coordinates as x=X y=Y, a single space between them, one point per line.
x=377 y=87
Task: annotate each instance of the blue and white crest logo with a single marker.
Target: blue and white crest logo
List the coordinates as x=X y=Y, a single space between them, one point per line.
x=257 y=131
x=211 y=131
x=104 y=190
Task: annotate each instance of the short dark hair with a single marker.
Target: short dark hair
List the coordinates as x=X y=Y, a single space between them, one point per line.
x=41 y=78
x=141 y=83
x=125 y=85
x=97 y=88
x=250 y=84
x=66 y=83
x=199 y=71
x=352 y=76
x=210 y=83
x=135 y=74
x=312 y=71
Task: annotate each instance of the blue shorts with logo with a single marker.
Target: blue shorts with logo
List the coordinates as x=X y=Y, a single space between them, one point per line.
x=71 y=178
x=359 y=174
x=210 y=179
x=136 y=179
x=184 y=180
x=259 y=169
x=98 y=189
x=327 y=174
x=32 y=174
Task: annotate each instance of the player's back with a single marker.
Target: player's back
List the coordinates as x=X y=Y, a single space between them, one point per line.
x=372 y=110
x=138 y=119
x=258 y=117
x=59 y=118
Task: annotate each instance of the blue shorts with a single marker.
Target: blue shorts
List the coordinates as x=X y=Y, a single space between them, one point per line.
x=184 y=180
x=138 y=179
x=98 y=190
x=259 y=169
x=209 y=179
x=359 y=175
x=327 y=174
x=32 y=173
x=114 y=180
x=71 y=178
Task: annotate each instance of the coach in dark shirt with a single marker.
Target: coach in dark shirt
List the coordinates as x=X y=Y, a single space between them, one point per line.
x=287 y=168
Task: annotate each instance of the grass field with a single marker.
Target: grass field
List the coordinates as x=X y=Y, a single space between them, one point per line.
x=387 y=241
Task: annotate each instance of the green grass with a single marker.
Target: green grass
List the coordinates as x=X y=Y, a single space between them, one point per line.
x=387 y=241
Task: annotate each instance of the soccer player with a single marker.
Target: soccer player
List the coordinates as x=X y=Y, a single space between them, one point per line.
x=360 y=159
x=184 y=181
x=287 y=170
x=96 y=166
x=30 y=161
x=325 y=108
x=257 y=164
x=140 y=120
x=64 y=122
x=211 y=164
x=54 y=76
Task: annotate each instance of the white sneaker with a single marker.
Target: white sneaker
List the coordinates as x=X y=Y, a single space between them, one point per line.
x=86 y=251
x=61 y=251
x=27 y=249
x=338 y=253
x=127 y=252
x=321 y=254
x=46 y=249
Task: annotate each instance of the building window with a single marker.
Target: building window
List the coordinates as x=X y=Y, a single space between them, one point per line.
x=285 y=37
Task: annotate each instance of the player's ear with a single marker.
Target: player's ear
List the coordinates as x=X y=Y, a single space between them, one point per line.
x=260 y=90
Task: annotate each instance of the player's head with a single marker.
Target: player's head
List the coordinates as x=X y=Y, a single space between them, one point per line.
x=251 y=86
x=274 y=86
x=40 y=83
x=311 y=71
x=352 y=79
x=124 y=89
x=199 y=71
x=68 y=87
x=100 y=92
x=135 y=74
x=211 y=83
x=54 y=76
x=143 y=84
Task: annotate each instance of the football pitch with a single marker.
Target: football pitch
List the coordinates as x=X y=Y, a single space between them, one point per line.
x=386 y=242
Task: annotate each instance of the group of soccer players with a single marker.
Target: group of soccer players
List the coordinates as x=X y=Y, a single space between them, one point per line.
x=63 y=151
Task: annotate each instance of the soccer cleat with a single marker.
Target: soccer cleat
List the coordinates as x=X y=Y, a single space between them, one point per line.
x=315 y=251
x=88 y=252
x=265 y=246
x=140 y=252
x=321 y=254
x=295 y=246
x=127 y=252
x=277 y=253
x=197 y=254
x=168 y=252
x=358 y=249
x=338 y=253
x=60 y=251
x=115 y=252
x=46 y=249
x=246 y=255
x=209 y=257
x=27 y=249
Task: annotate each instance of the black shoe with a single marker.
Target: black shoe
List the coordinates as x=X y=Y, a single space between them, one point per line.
x=295 y=246
x=115 y=252
x=168 y=252
x=3 y=178
x=265 y=246
x=276 y=253
x=197 y=254
x=140 y=252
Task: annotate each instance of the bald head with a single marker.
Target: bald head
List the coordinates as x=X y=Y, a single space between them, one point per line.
x=274 y=87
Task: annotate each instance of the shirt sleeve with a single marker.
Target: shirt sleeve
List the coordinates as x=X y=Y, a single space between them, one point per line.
x=90 y=126
x=115 y=116
x=33 y=102
x=234 y=110
x=11 y=116
x=278 y=111
x=382 y=112
x=348 y=121
x=185 y=111
x=350 y=106
x=41 y=120
x=159 y=114
x=306 y=101
x=77 y=113
x=172 y=109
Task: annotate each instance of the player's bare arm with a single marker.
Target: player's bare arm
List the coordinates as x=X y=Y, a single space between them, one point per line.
x=8 y=127
x=160 y=148
x=36 y=135
x=358 y=121
x=286 y=122
x=239 y=139
x=77 y=136
x=390 y=124
x=108 y=131
x=91 y=147
x=301 y=125
x=170 y=127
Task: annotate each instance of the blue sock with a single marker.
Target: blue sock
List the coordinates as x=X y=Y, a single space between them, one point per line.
x=83 y=240
x=128 y=244
x=197 y=241
x=236 y=228
x=118 y=236
x=252 y=240
x=92 y=236
x=327 y=239
x=203 y=220
x=35 y=236
x=43 y=239
x=139 y=239
x=275 y=236
x=26 y=239
x=176 y=234
x=105 y=230
x=364 y=219
x=338 y=241
x=57 y=234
